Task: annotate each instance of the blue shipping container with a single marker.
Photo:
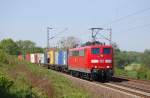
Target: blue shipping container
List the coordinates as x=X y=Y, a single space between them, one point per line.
x=60 y=58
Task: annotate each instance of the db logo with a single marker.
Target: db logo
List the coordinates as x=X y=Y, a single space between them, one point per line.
x=101 y=61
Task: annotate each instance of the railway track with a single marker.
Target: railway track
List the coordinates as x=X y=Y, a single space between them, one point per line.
x=127 y=90
x=138 y=87
x=133 y=83
x=130 y=90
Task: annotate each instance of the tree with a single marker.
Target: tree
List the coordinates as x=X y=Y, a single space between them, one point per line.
x=9 y=46
x=115 y=47
x=146 y=57
x=26 y=44
x=69 y=42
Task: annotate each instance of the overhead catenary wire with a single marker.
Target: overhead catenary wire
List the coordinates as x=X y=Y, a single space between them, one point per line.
x=127 y=16
x=58 y=33
x=130 y=29
x=136 y=27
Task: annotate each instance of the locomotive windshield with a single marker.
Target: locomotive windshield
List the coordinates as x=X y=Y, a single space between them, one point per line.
x=107 y=51
x=95 y=51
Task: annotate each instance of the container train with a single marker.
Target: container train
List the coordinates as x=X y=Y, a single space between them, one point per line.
x=94 y=62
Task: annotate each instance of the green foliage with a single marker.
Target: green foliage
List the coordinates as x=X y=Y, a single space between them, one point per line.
x=3 y=57
x=5 y=84
x=36 y=50
x=27 y=46
x=143 y=73
x=146 y=58
x=21 y=46
x=21 y=87
x=14 y=88
x=131 y=60
x=63 y=88
x=8 y=59
x=9 y=46
x=123 y=58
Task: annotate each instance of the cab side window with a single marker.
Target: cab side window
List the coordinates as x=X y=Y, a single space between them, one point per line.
x=81 y=53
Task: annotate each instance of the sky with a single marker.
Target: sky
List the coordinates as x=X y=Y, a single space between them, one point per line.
x=29 y=19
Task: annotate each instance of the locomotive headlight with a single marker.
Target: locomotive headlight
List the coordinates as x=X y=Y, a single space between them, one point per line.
x=95 y=66
x=94 y=61
x=107 y=66
x=108 y=61
x=101 y=55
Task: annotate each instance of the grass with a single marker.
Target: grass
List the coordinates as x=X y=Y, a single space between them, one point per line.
x=20 y=86
x=143 y=73
x=63 y=88
x=28 y=81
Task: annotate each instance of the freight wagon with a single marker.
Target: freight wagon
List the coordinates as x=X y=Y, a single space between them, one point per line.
x=40 y=58
x=27 y=57
x=61 y=60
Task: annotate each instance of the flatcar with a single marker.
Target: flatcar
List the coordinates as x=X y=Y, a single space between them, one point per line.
x=94 y=62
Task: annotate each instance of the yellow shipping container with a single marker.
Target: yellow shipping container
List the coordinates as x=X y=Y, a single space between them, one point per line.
x=51 y=56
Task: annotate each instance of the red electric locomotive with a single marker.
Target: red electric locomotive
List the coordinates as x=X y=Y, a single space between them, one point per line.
x=94 y=62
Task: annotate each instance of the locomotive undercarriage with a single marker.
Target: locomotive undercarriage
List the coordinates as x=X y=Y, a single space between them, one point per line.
x=95 y=75
x=101 y=74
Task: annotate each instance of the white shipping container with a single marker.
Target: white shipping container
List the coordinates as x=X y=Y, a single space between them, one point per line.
x=32 y=59
x=56 y=58
x=65 y=58
x=40 y=58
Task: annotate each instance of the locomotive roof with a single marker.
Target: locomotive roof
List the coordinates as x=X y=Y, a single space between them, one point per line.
x=80 y=48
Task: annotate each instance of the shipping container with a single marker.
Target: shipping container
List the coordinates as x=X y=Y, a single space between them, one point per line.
x=32 y=58
x=40 y=58
x=28 y=57
x=36 y=58
x=60 y=58
x=20 y=57
x=65 y=57
x=51 y=57
x=56 y=58
x=45 y=58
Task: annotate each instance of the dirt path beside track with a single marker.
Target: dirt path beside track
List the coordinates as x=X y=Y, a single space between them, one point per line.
x=98 y=90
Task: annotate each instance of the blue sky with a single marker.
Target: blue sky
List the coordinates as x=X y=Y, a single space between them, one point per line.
x=28 y=19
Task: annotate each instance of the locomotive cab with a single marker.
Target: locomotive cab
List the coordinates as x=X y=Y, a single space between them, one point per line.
x=94 y=62
x=101 y=62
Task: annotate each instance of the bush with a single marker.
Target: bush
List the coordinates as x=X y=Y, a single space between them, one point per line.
x=5 y=84
x=3 y=57
x=7 y=59
x=143 y=73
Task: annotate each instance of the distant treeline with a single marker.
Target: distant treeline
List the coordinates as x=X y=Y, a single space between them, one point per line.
x=19 y=47
x=123 y=58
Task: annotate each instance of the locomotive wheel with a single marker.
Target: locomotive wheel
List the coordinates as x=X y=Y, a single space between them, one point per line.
x=90 y=77
x=71 y=73
x=80 y=75
x=108 y=75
